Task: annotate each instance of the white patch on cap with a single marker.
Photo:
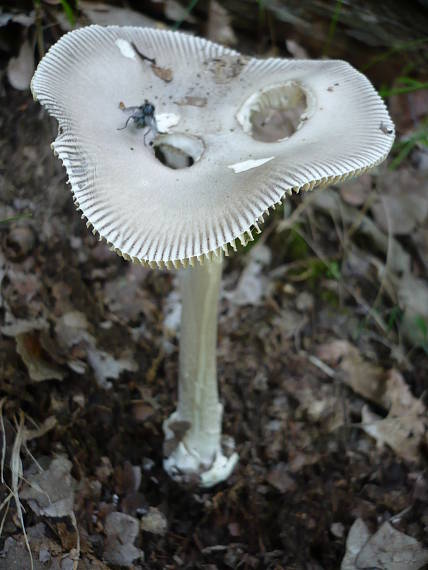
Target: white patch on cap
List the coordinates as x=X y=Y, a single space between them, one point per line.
x=125 y=48
x=249 y=164
x=166 y=120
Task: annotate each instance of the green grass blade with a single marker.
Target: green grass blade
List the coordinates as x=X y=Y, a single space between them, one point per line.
x=189 y=8
x=69 y=12
x=16 y=218
x=333 y=25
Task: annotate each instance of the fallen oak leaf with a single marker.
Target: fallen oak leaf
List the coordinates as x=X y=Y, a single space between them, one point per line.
x=406 y=424
x=391 y=549
x=387 y=549
x=403 y=433
x=122 y=531
x=360 y=375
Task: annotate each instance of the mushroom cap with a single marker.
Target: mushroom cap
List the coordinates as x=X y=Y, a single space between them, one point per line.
x=207 y=98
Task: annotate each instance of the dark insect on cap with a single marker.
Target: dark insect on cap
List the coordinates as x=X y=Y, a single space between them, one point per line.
x=148 y=108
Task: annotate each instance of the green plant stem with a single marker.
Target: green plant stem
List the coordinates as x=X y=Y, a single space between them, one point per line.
x=333 y=25
x=189 y=8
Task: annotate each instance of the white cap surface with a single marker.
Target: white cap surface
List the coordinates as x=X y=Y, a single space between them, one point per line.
x=204 y=92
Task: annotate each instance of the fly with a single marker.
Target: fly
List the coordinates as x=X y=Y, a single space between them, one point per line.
x=142 y=116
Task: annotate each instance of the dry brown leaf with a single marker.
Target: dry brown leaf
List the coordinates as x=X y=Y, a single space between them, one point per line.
x=193 y=101
x=391 y=549
x=280 y=479
x=405 y=425
x=296 y=50
x=358 y=535
x=420 y=239
x=164 y=73
x=154 y=522
x=121 y=531
x=219 y=25
x=21 y=68
x=413 y=299
x=408 y=109
x=387 y=549
x=363 y=377
x=174 y=11
x=39 y=367
x=403 y=432
x=403 y=201
x=329 y=202
x=51 y=492
x=357 y=190
x=108 y=15
x=106 y=367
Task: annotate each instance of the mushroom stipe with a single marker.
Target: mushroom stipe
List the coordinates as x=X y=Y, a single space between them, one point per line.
x=253 y=132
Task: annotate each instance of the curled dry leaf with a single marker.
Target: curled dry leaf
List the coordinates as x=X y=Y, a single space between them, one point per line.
x=358 y=535
x=219 y=25
x=280 y=479
x=39 y=367
x=403 y=202
x=296 y=50
x=108 y=15
x=360 y=375
x=72 y=329
x=329 y=202
x=29 y=346
x=15 y=557
x=413 y=299
x=106 y=366
x=174 y=11
x=402 y=431
x=252 y=284
x=154 y=522
x=19 y=242
x=21 y=68
x=127 y=478
x=356 y=191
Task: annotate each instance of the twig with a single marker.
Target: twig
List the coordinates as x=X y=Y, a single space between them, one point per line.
x=152 y=60
x=322 y=366
x=77 y=555
x=379 y=321
x=3 y=438
x=290 y=222
x=16 y=470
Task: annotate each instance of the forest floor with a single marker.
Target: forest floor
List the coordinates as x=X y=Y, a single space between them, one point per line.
x=322 y=364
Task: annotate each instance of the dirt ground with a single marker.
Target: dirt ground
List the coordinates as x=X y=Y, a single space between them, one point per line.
x=322 y=364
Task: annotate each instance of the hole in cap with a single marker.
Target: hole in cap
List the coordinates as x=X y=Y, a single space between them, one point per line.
x=178 y=150
x=274 y=113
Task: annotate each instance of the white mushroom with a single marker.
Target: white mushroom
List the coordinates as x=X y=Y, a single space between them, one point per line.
x=230 y=137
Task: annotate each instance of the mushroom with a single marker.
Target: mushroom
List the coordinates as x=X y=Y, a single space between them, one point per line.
x=229 y=138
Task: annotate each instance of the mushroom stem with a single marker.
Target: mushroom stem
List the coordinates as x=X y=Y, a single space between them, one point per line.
x=193 y=446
